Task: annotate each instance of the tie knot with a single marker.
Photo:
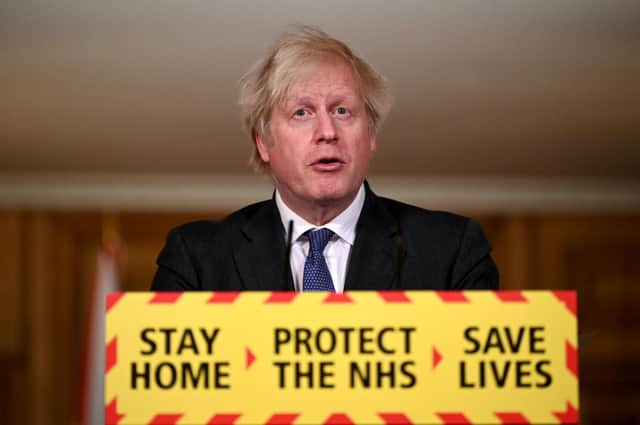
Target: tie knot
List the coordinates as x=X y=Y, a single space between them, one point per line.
x=318 y=239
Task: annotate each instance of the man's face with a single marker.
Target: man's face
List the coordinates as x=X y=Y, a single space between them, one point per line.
x=319 y=144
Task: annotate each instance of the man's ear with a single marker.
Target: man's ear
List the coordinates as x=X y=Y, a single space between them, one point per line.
x=261 y=145
x=372 y=142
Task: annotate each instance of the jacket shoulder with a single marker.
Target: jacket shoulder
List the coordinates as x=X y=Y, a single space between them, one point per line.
x=208 y=230
x=430 y=231
x=447 y=247
x=196 y=255
x=413 y=215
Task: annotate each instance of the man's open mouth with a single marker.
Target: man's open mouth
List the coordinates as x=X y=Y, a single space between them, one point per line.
x=328 y=160
x=327 y=164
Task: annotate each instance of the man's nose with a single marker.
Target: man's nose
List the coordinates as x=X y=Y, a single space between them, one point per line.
x=326 y=129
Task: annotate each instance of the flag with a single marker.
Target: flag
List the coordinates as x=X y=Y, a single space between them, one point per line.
x=91 y=401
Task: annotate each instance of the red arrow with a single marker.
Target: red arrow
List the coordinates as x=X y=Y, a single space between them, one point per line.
x=437 y=357
x=250 y=358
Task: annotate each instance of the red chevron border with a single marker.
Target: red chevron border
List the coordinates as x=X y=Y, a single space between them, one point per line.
x=571 y=358
x=452 y=296
x=111 y=354
x=165 y=297
x=395 y=419
x=224 y=419
x=226 y=297
x=511 y=296
x=338 y=419
x=281 y=297
x=394 y=296
x=512 y=418
x=453 y=418
x=569 y=299
x=282 y=419
x=111 y=415
x=166 y=419
x=568 y=417
x=336 y=298
x=112 y=299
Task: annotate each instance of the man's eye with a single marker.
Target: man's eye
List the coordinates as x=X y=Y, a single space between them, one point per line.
x=341 y=110
x=300 y=113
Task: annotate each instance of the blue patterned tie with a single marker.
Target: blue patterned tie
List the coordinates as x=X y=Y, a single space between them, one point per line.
x=316 y=273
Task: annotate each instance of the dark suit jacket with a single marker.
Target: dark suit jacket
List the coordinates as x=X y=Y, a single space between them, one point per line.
x=397 y=246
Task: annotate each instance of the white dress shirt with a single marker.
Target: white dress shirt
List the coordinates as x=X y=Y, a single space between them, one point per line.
x=337 y=251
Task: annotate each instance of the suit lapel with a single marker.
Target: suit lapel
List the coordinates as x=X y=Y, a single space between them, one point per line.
x=260 y=256
x=375 y=253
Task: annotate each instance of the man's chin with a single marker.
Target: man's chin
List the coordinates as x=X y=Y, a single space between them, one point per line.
x=333 y=196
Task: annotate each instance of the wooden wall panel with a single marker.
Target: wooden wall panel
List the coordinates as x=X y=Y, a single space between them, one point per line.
x=64 y=299
x=11 y=294
x=12 y=335
x=510 y=237
x=42 y=392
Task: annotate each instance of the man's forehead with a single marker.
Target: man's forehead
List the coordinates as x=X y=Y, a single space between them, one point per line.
x=321 y=87
x=311 y=96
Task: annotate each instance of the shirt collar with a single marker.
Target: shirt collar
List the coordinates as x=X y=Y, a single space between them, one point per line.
x=343 y=225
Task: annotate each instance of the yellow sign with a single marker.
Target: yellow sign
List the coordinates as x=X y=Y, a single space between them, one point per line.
x=415 y=357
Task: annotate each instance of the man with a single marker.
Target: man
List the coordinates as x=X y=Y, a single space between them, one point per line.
x=313 y=110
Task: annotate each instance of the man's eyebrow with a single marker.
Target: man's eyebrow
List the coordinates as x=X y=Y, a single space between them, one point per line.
x=310 y=101
x=296 y=101
x=342 y=98
x=350 y=101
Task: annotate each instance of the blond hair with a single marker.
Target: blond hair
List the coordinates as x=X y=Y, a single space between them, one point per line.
x=267 y=82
